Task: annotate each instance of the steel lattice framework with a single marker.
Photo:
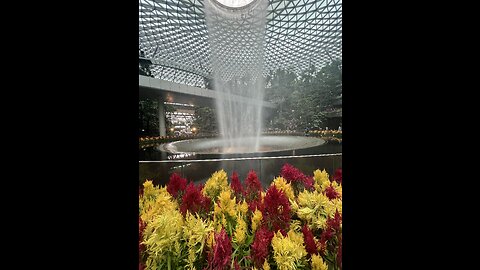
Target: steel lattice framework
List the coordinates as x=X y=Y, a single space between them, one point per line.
x=298 y=33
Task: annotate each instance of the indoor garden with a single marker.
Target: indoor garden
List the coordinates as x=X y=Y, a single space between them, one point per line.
x=240 y=134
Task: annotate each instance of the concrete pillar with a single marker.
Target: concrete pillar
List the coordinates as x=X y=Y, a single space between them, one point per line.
x=161 y=117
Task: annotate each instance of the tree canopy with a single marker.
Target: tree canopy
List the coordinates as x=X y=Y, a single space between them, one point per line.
x=302 y=98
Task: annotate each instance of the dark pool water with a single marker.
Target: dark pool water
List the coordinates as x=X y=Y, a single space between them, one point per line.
x=199 y=168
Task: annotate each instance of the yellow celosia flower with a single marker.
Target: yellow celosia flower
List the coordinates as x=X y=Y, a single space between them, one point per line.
x=147 y=200
x=288 y=251
x=281 y=184
x=215 y=184
x=256 y=219
x=295 y=225
x=330 y=209
x=222 y=224
x=195 y=232
x=294 y=205
x=321 y=180
x=226 y=207
x=318 y=263
x=191 y=260
x=338 y=204
x=240 y=230
x=320 y=222
x=226 y=204
x=295 y=236
x=337 y=187
x=243 y=208
x=162 y=235
x=266 y=266
x=148 y=189
x=211 y=239
x=163 y=202
x=314 y=207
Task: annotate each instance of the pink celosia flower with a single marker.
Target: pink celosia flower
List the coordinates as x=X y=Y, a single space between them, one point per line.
x=176 y=184
x=260 y=245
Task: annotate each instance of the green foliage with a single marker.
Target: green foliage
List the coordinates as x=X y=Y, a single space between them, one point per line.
x=148 y=116
x=301 y=99
x=205 y=120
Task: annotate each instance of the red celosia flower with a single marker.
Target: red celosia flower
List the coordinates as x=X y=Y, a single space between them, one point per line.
x=255 y=204
x=276 y=209
x=338 y=175
x=296 y=178
x=222 y=251
x=333 y=226
x=326 y=235
x=141 y=247
x=308 y=183
x=237 y=186
x=253 y=186
x=292 y=174
x=236 y=265
x=141 y=227
x=141 y=266
x=310 y=244
x=334 y=223
x=322 y=246
x=194 y=201
x=176 y=184
x=331 y=193
x=253 y=191
x=260 y=245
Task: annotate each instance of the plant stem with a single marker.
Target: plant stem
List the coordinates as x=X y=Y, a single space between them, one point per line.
x=168 y=262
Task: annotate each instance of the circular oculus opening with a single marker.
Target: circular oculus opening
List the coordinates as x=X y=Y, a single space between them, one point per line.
x=234 y=3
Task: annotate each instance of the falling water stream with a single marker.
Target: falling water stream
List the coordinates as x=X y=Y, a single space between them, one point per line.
x=236 y=36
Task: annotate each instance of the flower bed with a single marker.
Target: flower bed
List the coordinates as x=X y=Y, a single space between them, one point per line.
x=296 y=223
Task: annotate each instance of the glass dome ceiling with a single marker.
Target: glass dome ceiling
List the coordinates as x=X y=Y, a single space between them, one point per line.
x=299 y=33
